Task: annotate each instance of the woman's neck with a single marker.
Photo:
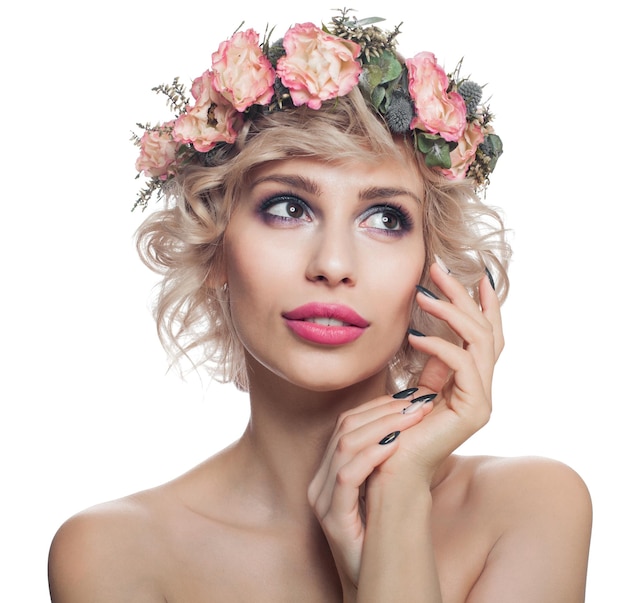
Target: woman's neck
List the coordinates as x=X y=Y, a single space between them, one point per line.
x=288 y=432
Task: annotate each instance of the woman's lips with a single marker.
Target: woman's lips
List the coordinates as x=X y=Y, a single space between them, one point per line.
x=326 y=324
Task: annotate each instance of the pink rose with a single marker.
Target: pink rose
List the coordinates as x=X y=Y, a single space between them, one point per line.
x=464 y=154
x=438 y=111
x=158 y=152
x=317 y=66
x=211 y=120
x=242 y=73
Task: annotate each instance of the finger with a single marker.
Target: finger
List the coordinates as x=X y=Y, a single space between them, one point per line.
x=477 y=335
x=479 y=327
x=369 y=412
x=349 y=444
x=352 y=419
x=488 y=308
x=346 y=487
x=491 y=309
x=460 y=297
x=452 y=288
x=435 y=375
x=468 y=380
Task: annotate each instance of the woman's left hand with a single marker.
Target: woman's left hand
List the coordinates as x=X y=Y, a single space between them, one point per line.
x=461 y=374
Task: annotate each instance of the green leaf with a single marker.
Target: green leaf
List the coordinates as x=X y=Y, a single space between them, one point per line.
x=494 y=143
x=391 y=67
x=372 y=75
x=435 y=149
x=378 y=94
x=369 y=21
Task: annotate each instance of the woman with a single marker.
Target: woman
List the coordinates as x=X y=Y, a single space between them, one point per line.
x=314 y=184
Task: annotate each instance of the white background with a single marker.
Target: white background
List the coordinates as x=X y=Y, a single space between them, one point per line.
x=88 y=412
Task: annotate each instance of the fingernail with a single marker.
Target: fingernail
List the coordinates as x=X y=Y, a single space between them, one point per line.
x=425 y=398
x=426 y=292
x=491 y=282
x=415 y=332
x=441 y=265
x=412 y=408
x=405 y=393
x=418 y=402
x=389 y=438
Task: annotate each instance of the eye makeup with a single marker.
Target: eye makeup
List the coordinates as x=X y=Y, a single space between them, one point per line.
x=393 y=220
x=284 y=208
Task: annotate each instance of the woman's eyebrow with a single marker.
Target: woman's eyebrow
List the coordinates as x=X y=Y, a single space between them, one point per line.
x=386 y=192
x=310 y=186
x=293 y=181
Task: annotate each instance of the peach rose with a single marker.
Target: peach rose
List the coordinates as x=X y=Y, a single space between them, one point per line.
x=317 y=66
x=212 y=119
x=438 y=111
x=158 y=152
x=242 y=73
x=464 y=154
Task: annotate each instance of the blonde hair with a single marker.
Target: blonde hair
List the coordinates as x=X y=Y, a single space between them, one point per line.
x=184 y=241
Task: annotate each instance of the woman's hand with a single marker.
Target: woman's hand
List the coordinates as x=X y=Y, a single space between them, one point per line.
x=364 y=437
x=360 y=450
x=461 y=374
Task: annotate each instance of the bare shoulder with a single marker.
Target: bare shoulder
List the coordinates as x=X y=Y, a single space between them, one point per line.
x=527 y=482
x=105 y=553
x=539 y=513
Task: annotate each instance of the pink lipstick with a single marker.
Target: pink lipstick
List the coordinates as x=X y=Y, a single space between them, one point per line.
x=326 y=324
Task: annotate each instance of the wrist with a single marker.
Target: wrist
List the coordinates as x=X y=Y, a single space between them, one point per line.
x=396 y=495
x=398 y=554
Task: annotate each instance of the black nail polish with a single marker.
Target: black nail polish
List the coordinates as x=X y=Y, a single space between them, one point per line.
x=415 y=332
x=491 y=282
x=426 y=292
x=424 y=399
x=405 y=393
x=389 y=438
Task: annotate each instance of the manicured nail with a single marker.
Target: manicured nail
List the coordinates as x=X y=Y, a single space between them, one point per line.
x=412 y=408
x=426 y=292
x=491 y=282
x=415 y=332
x=389 y=438
x=441 y=265
x=424 y=399
x=405 y=393
x=418 y=403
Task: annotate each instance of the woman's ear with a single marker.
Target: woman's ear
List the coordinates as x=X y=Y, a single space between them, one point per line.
x=217 y=277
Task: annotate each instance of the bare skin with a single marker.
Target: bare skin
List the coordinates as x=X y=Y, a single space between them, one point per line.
x=309 y=505
x=201 y=539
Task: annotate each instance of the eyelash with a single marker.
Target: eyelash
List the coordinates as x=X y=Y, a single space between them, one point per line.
x=277 y=200
x=405 y=221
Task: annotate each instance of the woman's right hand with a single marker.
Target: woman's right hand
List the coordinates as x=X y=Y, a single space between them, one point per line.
x=364 y=438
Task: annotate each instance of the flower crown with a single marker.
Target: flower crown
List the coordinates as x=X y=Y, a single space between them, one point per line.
x=312 y=65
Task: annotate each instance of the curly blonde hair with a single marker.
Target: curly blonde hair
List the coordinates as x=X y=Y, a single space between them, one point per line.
x=184 y=241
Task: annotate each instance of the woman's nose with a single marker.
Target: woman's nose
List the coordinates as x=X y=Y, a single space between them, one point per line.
x=332 y=258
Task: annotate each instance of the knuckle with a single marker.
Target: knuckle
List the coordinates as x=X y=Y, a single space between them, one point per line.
x=342 y=417
x=343 y=476
x=347 y=422
x=344 y=443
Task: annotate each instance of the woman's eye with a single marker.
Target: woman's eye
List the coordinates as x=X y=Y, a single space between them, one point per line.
x=385 y=218
x=285 y=208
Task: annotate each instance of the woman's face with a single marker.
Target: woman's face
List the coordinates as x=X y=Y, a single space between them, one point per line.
x=322 y=260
